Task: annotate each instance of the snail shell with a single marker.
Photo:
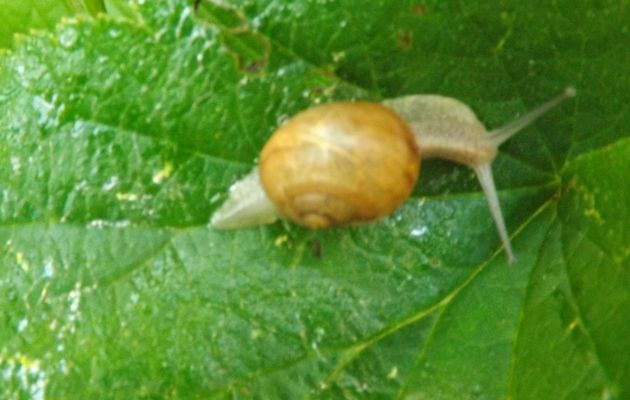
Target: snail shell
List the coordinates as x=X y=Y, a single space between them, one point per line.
x=341 y=163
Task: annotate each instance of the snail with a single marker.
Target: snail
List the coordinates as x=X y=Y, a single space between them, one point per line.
x=349 y=163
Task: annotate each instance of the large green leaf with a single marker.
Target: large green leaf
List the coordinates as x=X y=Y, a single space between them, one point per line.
x=119 y=138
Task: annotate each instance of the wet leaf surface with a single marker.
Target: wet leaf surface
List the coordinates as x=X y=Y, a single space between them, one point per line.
x=119 y=136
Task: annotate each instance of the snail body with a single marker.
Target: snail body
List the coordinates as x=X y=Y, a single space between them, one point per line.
x=349 y=163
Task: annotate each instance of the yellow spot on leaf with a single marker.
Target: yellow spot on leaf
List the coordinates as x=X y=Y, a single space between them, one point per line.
x=594 y=214
x=19 y=258
x=163 y=174
x=280 y=240
x=127 y=196
x=573 y=324
x=393 y=373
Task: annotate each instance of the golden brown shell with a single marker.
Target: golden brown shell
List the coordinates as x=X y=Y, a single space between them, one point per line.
x=340 y=163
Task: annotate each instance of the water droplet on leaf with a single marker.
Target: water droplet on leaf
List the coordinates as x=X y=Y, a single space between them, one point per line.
x=68 y=37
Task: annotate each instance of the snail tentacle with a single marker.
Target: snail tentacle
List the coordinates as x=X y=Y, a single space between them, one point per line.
x=500 y=135
x=484 y=174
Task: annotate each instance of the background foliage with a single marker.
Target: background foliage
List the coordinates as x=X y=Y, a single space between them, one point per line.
x=122 y=125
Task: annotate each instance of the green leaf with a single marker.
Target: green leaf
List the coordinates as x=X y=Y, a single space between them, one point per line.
x=19 y=17
x=120 y=137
